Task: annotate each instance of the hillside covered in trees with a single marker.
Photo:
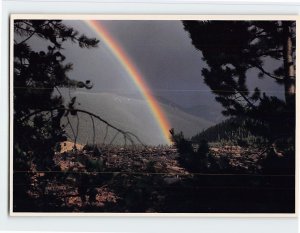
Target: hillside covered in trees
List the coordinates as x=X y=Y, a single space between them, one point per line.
x=234 y=131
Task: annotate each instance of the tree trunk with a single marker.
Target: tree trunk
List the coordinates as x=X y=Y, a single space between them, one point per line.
x=289 y=66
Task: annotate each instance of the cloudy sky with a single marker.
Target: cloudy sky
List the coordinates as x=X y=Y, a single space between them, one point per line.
x=164 y=55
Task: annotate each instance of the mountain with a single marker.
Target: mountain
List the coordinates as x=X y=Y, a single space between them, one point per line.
x=208 y=112
x=236 y=130
x=128 y=114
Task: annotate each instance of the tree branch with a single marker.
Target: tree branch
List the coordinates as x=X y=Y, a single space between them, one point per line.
x=266 y=73
x=243 y=96
x=129 y=134
x=23 y=41
x=69 y=123
x=105 y=135
x=94 y=134
x=247 y=100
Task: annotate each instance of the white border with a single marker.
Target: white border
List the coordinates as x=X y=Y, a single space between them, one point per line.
x=214 y=2
x=150 y=17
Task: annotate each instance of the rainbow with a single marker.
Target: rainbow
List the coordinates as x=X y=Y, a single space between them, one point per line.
x=135 y=76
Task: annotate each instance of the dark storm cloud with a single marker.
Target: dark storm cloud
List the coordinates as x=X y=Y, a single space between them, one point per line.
x=172 y=67
x=162 y=52
x=164 y=55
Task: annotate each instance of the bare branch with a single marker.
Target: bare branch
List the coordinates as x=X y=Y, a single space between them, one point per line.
x=113 y=139
x=94 y=134
x=69 y=123
x=106 y=132
x=126 y=133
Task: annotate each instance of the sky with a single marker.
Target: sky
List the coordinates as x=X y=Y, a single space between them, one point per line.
x=164 y=55
x=162 y=52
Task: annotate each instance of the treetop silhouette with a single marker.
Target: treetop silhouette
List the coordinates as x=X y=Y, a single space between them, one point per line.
x=230 y=49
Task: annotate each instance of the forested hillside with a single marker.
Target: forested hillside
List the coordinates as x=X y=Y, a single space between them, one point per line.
x=234 y=130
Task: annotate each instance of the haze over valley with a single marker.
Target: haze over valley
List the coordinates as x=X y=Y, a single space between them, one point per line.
x=129 y=114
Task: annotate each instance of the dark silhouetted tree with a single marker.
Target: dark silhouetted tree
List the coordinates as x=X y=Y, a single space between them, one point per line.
x=194 y=157
x=39 y=108
x=231 y=49
x=37 y=102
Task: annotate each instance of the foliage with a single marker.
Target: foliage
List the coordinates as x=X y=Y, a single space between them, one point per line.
x=235 y=131
x=38 y=104
x=39 y=108
x=194 y=157
x=230 y=49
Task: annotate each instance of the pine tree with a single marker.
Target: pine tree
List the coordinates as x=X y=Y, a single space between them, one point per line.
x=230 y=49
x=37 y=102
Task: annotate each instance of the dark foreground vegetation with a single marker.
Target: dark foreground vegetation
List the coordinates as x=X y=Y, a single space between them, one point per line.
x=154 y=179
x=243 y=165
